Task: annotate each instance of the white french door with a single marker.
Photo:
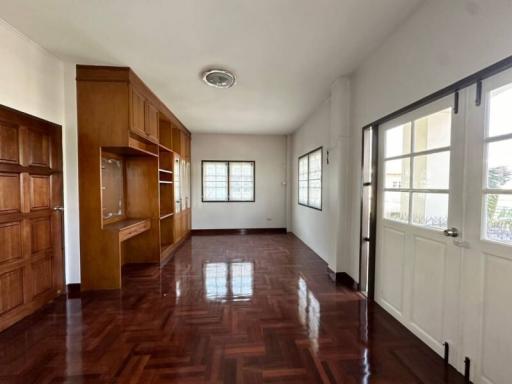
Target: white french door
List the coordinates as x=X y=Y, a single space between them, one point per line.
x=420 y=195
x=444 y=226
x=487 y=268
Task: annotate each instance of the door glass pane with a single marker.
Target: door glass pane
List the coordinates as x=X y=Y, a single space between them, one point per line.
x=433 y=131
x=396 y=206
x=430 y=209
x=498 y=217
x=432 y=171
x=398 y=140
x=367 y=155
x=397 y=173
x=367 y=208
x=500 y=111
x=499 y=164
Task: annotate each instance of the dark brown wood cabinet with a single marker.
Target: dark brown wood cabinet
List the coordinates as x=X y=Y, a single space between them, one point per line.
x=130 y=188
x=31 y=249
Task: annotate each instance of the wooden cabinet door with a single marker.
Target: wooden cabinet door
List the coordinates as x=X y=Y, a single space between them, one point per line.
x=31 y=264
x=137 y=113
x=151 y=126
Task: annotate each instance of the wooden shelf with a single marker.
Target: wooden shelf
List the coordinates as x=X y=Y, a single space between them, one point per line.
x=129 y=151
x=166 y=215
x=165 y=171
x=165 y=182
x=164 y=148
x=124 y=224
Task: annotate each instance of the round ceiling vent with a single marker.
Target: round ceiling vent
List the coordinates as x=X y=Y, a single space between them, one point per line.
x=219 y=78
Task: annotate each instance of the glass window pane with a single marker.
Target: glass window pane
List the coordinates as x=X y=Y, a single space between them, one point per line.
x=500 y=112
x=498 y=209
x=433 y=131
x=432 y=171
x=396 y=206
x=315 y=165
x=241 y=181
x=430 y=209
x=215 y=181
x=398 y=140
x=499 y=164
x=397 y=173
x=315 y=193
x=315 y=179
x=303 y=192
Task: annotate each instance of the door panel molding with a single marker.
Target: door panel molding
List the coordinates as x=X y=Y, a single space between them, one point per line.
x=31 y=261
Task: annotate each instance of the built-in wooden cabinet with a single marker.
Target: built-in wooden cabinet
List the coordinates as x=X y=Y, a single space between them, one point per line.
x=137 y=112
x=134 y=170
x=151 y=124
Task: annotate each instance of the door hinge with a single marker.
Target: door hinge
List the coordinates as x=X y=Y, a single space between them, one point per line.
x=478 y=100
x=456 y=102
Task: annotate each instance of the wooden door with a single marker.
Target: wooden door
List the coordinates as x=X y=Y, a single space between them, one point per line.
x=31 y=253
x=137 y=113
x=151 y=126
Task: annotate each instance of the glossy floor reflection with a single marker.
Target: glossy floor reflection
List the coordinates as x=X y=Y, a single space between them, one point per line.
x=226 y=309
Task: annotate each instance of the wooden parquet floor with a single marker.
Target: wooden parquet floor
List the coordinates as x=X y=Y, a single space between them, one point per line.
x=226 y=309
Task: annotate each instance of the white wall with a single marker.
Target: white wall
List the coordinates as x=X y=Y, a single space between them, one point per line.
x=442 y=42
x=32 y=81
x=70 y=155
x=312 y=226
x=328 y=127
x=269 y=209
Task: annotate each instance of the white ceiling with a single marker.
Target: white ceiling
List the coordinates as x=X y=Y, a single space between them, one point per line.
x=286 y=53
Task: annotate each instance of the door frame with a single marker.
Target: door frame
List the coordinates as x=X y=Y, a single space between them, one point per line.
x=372 y=243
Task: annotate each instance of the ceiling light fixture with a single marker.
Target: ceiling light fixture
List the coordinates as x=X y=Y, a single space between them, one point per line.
x=219 y=78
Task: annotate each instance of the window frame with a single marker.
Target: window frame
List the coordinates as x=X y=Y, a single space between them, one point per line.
x=321 y=149
x=253 y=162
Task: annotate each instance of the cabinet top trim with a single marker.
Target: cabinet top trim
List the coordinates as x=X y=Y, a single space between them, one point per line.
x=126 y=75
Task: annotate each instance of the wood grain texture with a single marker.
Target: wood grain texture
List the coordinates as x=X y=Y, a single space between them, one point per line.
x=119 y=117
x=31 y=262
x=225 y=309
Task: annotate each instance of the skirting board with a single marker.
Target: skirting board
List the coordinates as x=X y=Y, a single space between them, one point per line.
x=343 y=278
x=247 y=231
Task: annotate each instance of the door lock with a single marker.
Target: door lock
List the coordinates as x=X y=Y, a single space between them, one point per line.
x=451 y=232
